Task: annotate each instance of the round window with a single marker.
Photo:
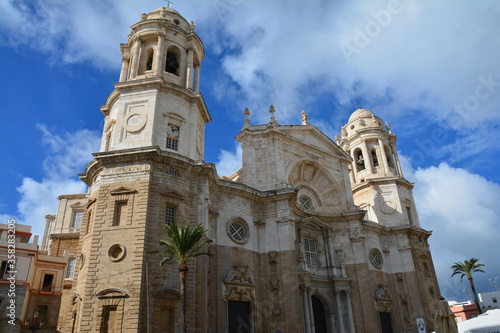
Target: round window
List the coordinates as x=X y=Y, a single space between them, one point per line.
x=376 y=258
x=116 y=252
x=305 y=202
x=238 y=231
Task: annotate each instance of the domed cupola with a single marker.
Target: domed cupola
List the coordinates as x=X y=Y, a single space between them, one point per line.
x=163 y=44
x=372 y=147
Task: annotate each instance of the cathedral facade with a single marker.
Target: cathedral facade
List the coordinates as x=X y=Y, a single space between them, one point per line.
x=310 y=235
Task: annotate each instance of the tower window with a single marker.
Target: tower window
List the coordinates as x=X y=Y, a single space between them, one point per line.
x=173 y=133
x=172 y=65
x=390 y=160
x=374 y=157
x=310 y=253
x=70 y=272
x=149 y=63
x=170 y=215
x=76 y=220
x=121 y=210
x=360 y=160
x=410 y=217
x=89 y=222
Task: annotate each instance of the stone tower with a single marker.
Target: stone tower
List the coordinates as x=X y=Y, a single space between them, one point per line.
x=144 y=176
x=377 y=180
x=380 y=189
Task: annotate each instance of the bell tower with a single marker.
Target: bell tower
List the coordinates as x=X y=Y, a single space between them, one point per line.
x=157 y=100
x=376 y=175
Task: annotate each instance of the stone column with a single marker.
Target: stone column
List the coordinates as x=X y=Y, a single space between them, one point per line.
x=349 y=310
x=310 y=308
x=341 y=311
x=367 y=157
x=158 y=63
x=353 y=167
x=197 y=77
x=396 y=162
x=134 y=67
x=305 y=308
x=383 y=156
x=189 y=69
x=125 y=67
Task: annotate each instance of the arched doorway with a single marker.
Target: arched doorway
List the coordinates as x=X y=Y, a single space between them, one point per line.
x=319 y=314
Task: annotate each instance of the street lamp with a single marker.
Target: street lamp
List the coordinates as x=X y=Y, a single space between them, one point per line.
x=35 y=326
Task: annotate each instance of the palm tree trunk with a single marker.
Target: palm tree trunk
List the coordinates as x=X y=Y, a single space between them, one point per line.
x=183 y=269
x=475 y=294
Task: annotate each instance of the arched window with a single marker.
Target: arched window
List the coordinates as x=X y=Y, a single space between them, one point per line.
x=390 y=159
x=149 y=62
x=172 y=63
x=359 y=160
x=374 y=157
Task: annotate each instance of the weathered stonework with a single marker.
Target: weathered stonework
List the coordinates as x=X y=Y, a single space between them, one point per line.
x=330 y=242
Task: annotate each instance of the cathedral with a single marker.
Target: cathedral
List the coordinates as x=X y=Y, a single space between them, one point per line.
x=311 y=235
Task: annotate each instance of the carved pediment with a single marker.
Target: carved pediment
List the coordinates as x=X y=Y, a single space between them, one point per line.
x=383 y=298
x=313 y=223
x=122 y=190
x=111 y=293
x=77 y=204
x=239 y=285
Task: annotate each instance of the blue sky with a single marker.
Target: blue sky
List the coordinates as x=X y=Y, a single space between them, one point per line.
x=428 y=68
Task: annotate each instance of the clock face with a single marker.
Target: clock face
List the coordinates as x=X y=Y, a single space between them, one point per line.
x=173 y=131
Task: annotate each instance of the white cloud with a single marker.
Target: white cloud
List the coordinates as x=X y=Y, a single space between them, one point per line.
x=67 y=155
x=229 y=162
x=461 y=208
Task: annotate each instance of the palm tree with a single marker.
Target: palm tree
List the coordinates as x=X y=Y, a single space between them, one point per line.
x=183 y=245
x=466 y=269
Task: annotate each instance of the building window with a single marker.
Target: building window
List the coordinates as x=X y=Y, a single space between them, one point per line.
x=359 y=159
x=172 y=64
x=310 y=253
x=410 y=217
x=173 y=172
x=3 y=270
x=173 y=137
x=70 y=272
x=376 y=258
x=76 y=221
x=89 y=222
x=108 y=323
x=47 y=282
x=238 y=231
x=170 y=215
x=149 y=62
x=374 y=157
x=305 y=202
x=121 y=211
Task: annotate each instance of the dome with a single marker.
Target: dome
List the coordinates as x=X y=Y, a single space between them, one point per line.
x=361 y=113
x=162 y=12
